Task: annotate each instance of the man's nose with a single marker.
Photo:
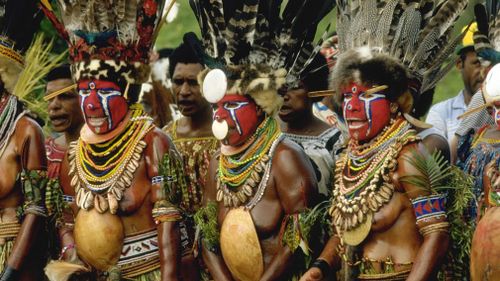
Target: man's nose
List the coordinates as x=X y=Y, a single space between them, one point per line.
x=54 y=104
x=92 y=101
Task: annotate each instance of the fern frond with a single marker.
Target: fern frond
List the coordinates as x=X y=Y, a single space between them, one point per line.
x=434 y=171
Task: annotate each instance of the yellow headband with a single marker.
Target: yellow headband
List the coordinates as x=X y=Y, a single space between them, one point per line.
x=58 y=92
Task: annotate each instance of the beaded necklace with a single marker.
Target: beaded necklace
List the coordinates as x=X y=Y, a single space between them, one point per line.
x=238 y=175
x=10 y=113
x=370 y=186
x=101 y=172
x=481 y=139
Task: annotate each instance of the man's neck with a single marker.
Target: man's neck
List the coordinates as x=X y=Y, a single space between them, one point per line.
x=197 y=125
x=467 y=95
x=72 y=135
x=307 y=124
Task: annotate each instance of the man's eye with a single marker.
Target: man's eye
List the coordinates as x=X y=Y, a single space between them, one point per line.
x=231 y=105
x=105 y=92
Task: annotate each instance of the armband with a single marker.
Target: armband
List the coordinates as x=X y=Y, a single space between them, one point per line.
x=429 y=207
x=164 y=211
x=33 y=184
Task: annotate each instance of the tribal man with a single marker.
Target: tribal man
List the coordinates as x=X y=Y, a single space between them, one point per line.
x=389 y=218
x=261 y=187
x=318 y=139
x=192 y=136
x=119 y=169
x=66 y=118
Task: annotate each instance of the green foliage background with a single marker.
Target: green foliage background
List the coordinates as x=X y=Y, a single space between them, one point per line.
x=171 y=36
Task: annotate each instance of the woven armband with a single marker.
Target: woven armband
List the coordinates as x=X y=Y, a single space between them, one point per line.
x=33 y=185
x=164 y=211
x=429 y=208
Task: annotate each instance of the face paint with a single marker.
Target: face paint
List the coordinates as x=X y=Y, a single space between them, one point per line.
x=240 y=114
x=102 y=105
x=366 y=114
x=496 y=114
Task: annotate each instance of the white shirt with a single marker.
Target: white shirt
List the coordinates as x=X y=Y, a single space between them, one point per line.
x=443 y=115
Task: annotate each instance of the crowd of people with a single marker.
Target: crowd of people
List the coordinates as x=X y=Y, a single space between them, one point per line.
x=254 y=153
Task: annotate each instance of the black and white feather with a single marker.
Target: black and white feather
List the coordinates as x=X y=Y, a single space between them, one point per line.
x=415 y=33
x=254 y=32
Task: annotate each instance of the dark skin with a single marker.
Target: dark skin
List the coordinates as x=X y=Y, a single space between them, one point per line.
x=24 y=149
x=394 y=232
x=136 y=206
x=470 y=69
x=291 y=189
x=196 y=112
x=64 y=112
x=195 y=122
x=297 y=116
x=435 y=142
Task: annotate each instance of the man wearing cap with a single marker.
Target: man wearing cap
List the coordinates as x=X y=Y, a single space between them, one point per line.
x=443 y=116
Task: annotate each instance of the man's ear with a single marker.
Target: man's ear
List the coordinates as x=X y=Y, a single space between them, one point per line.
x=459 y=63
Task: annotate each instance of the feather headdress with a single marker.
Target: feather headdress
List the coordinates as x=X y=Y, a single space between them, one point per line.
x=410 y=35
x=108 y=39
x=488 y=19
x=260 y=45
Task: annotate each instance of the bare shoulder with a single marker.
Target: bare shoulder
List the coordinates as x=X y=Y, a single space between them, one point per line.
x=27 y=127
x=288 y=149
x=294 y=177
x=159 y=139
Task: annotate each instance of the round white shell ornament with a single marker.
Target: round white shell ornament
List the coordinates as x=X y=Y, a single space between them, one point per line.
x=220 y=129
x=214 y=85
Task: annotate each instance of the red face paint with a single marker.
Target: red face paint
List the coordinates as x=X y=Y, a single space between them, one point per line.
x=102 y=105
x=496 y=114
x=366 y=114
x=240 y=113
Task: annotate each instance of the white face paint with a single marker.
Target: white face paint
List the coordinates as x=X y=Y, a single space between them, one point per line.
x=496 y=115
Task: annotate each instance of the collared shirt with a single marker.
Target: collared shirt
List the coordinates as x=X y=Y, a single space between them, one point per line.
x=443 y=115
x=475 y=120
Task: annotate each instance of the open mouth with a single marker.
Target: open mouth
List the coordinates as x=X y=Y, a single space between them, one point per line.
x=285 y=109
x=356 y=123
x=57 y=120
x=96 y=121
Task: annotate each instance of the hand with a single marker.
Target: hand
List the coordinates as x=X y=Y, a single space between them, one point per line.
x=313 y=274
x=10 y=274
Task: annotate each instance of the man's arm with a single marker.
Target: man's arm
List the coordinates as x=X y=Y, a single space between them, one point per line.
x=296 y=186
x=31 y=150
x=214 y=262
x=159 y=146
x=434 y=230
